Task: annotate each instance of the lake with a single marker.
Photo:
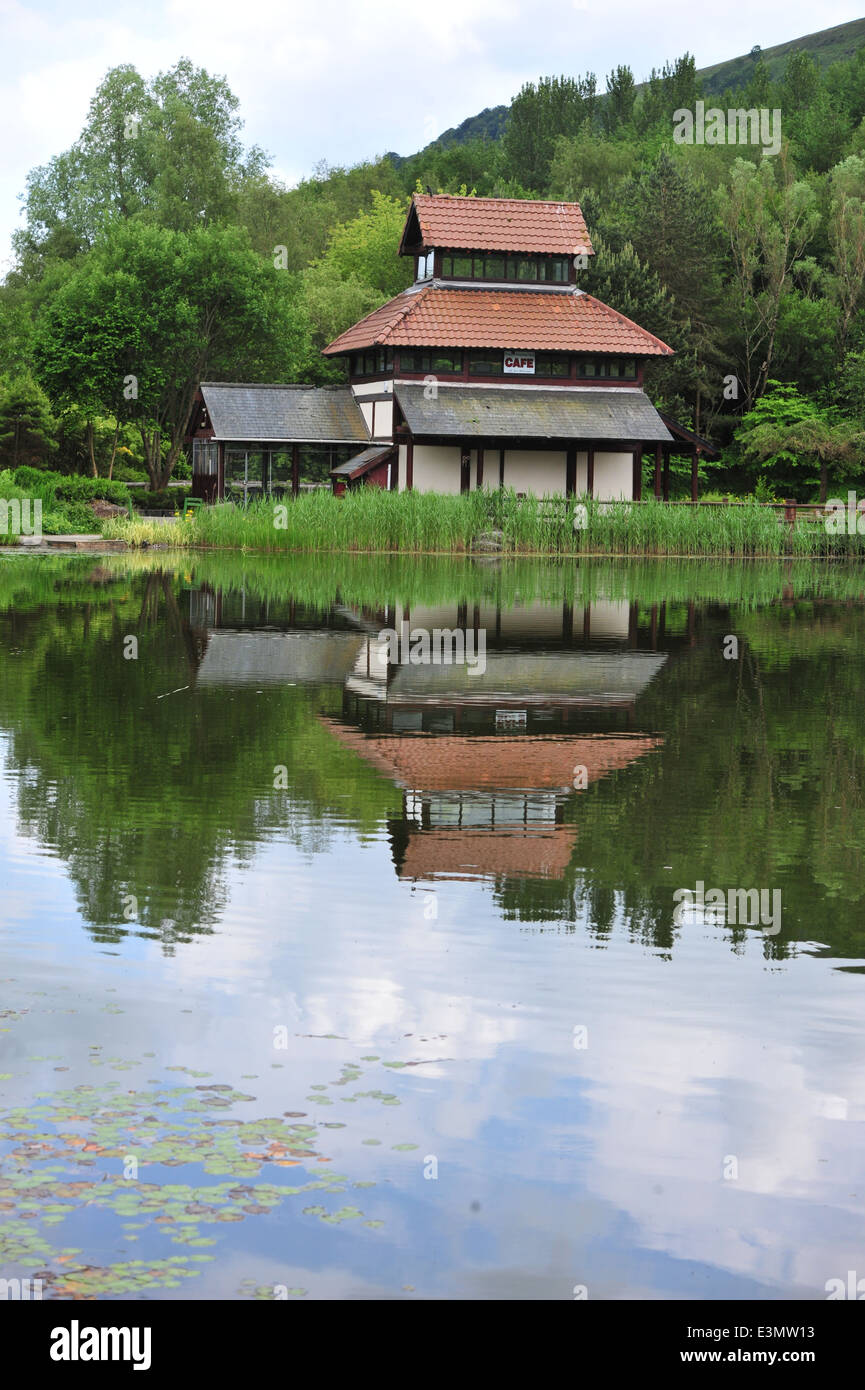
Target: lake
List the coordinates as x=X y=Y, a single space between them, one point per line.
x=533 y=975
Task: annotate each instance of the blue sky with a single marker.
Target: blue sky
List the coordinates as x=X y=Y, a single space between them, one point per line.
x=344 y=81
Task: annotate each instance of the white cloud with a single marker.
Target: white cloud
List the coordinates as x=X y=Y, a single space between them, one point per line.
x=338 y=80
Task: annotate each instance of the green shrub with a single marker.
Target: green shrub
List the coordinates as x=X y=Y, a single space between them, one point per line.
x=70 y=487
x=165 y=501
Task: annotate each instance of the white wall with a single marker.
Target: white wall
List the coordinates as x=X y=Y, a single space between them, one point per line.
x=534 y=470
x=436 y=468
x=383 y=419
x=614 y=476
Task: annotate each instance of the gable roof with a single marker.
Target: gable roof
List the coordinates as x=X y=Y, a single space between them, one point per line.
x=495 y=224
x=555 y=321
x=496 y=412
x=361 y=463
x=284 y=414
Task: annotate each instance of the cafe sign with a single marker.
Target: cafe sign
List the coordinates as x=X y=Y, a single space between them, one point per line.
x=519 y=364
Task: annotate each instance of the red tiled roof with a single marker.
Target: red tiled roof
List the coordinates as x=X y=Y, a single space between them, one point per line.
x=527 y=851
x=459 y=762
x=497 y=224
x=537 y=320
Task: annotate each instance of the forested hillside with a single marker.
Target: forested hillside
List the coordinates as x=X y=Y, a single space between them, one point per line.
x=160 y=250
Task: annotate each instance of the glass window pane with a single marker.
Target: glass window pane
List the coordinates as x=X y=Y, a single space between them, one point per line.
x=494 y=268
x=463 y=267
x=512 y=268
x=527 y=270
x=629 y=367
x=486 y=364
x=478 y=267
x=554 y=365
x=447 y=265
x=613 y=367
x=587 y=368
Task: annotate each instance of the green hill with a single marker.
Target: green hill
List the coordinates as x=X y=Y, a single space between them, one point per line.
x=826 y=46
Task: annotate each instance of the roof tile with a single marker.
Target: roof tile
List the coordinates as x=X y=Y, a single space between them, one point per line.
x=535 y=320
x=500 y=224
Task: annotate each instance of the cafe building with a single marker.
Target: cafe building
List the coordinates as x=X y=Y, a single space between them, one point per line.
x=493 y=369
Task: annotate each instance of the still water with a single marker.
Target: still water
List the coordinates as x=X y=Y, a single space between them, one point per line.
x=327 y=974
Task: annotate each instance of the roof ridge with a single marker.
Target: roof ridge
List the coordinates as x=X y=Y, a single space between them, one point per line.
x=279 y=385
x=523 y=202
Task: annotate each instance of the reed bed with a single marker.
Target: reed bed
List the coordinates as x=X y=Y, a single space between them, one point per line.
x=374 y=521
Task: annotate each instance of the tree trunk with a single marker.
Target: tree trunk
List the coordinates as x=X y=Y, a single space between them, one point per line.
x=91 y=445
x=113 y=450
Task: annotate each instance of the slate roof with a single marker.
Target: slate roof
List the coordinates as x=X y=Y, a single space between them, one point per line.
x=495 y=224
x=284 y=414
x=362 y=462
x=239 y=657
x=613 y=413
x=534 y=320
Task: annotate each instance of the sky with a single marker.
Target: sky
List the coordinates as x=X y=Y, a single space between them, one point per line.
x=341 y=81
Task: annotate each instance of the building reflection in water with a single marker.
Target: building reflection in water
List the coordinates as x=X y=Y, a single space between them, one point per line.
x=487 y=761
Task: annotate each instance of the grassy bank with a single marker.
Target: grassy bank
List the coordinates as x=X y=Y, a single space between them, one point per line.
x=374 y=521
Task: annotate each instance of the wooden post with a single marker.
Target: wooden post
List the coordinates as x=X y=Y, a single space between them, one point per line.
x=220 y=471
x=465 y=469
x=657 y=472
x=695 y=463
x=409 y=465
x=571 y=473
x=666 y=474
x=638 y=474
x=480 y=473
x=295 y=469
x=501 y=467
x=590 y=471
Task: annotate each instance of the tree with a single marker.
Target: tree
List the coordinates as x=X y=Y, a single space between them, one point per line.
x=769 y=221
x=618 y=107
x=538 y=116
x=26 y=424
x=333 y=304
x=847 y=240
x=364 y=249
x=168 y=149
x=151 y=313
x=785 y=431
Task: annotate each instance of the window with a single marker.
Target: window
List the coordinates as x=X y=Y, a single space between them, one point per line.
x=523 y=269
x=430 y=360
x=205 y=457
x=554 y=270
x=485 y=364
x=552 y=364
x=614 y=368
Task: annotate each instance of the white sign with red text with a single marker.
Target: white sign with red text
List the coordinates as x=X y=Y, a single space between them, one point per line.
x=519 y=364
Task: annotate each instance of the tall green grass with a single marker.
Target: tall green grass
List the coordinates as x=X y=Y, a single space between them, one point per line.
x=421 y=522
